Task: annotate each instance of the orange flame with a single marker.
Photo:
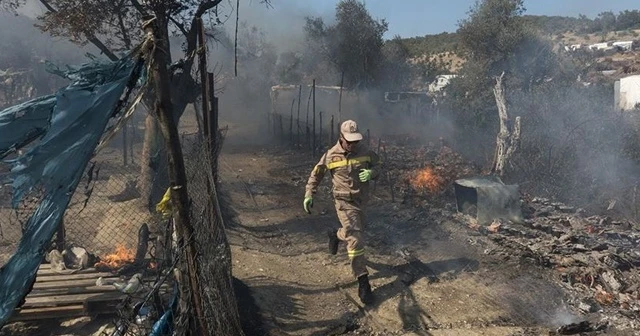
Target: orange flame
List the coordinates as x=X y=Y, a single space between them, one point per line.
x=427 y=179
x=119 y=258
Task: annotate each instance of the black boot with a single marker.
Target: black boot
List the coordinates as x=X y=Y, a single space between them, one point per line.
x=333 y=241
x=364 y=290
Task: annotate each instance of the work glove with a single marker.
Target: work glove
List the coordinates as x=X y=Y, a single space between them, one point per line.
x=308 y=204
x=365 y=175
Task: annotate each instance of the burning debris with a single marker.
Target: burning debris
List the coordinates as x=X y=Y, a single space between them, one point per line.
x=116 y=260
x=422 y=171
x=428 y=180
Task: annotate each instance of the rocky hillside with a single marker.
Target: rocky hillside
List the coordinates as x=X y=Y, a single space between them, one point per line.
x=443 y=49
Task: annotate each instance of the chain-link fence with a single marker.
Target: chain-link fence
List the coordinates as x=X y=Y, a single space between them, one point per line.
x=106 y=210
x=214 y=253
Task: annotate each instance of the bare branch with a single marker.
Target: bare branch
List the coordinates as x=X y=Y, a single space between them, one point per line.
x=180 y=26
x=91 y=38
x=205 y=6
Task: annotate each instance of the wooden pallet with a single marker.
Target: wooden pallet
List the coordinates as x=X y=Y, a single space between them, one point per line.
x=57 y=295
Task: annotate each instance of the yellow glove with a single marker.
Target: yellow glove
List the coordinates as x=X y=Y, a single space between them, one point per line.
x=365 y=175
x=308 y=204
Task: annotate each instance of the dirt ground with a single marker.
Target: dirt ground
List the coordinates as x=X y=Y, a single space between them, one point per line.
x=430 y=273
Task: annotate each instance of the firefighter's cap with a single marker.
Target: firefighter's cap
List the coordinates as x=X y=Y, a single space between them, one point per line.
x=349 y=130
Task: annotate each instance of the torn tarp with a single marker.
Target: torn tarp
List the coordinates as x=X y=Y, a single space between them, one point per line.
x=75 y=122
x=23 y=123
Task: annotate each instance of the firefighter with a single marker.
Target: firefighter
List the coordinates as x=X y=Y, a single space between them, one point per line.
x=351 y=165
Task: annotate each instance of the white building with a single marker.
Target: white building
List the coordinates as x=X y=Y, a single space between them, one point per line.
x=441 y=82
x=624 y=45
x=627 y=93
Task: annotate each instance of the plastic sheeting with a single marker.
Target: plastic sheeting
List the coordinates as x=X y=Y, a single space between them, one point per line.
x=22 y=123
x=70 y=125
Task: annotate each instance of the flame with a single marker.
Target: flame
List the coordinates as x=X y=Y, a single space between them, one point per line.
x=119 y=258
x=427 y=179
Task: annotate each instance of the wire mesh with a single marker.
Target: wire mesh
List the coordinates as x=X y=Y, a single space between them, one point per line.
x=106 y=210
x=214 y=254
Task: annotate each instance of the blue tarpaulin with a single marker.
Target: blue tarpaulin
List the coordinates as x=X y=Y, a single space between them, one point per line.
x=69 y=126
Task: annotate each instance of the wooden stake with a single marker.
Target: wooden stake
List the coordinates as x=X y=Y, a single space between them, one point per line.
x=368 y=138
x=298 y=119
x=332 y=135
x=340 y=99
x=314 y=118
x=60 y=236
x=320 y=134
x=308 y=139
x=291 y=122
x=125 y=148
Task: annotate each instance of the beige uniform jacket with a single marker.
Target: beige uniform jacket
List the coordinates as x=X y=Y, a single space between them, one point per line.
x=344 y=168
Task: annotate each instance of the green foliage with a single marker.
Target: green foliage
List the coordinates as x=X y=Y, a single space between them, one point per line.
x=431 y=44
x=353 y=45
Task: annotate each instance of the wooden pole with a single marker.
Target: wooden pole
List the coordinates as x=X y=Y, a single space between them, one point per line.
x=308 y=139
x=291 y=122
x=213 y=125
x=125 y=148
x=60 y=236
x=332 y=135
x=163 y=109
x=368 y=138
x=377 y=152
x=314 y=118
x=133 y=139
x=320 y=135
x=340 y=99
x=298 y=119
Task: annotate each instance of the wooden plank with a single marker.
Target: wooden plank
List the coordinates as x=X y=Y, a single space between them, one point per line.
x=71 y=299
x=49 y=271
x=69 y=283
x=78 y=290
x=28 y=314
x=70 y=290
x=63 y=277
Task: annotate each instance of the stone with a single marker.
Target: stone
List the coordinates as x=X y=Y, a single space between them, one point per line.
x=611 y=281
x=586 y=307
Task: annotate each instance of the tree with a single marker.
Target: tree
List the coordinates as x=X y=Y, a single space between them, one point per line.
x=608 y=21
x=494 y=39
x=353 y=45
x=396 y=73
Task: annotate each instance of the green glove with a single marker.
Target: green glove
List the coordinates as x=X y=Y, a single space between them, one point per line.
x=365 y=175
x=308 y=204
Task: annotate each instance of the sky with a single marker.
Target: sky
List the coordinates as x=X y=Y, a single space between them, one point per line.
x=283 y=22
x=409 y=18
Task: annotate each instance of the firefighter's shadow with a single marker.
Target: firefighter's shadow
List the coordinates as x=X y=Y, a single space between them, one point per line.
x=412 y=314
x=287 y=310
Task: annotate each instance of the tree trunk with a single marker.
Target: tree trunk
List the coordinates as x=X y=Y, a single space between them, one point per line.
x=150 y=162
x=508 y=138
x=163 y=108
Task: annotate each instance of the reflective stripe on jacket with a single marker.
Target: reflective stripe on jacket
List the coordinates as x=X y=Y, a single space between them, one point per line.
x=344 y=168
